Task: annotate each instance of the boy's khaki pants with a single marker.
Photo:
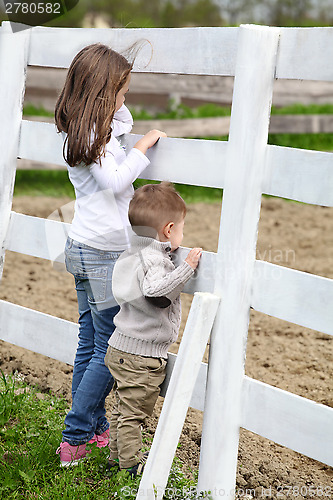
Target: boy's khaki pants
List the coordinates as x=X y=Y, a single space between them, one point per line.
x=137 y=386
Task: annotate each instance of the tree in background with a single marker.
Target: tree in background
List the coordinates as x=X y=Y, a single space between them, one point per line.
x=144 y=14
x=288 y=12
x=298 y=12
x=199 y=13
x=238 y=11
x=323 y=12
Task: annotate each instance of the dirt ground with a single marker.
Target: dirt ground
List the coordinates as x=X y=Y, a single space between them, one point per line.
x=282 y=354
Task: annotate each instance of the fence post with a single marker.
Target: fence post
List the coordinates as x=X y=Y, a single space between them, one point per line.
x=178 y=396
x=13 y=65
x=253 y=87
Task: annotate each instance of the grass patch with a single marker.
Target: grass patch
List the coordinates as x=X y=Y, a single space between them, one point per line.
x=56 y=183
x=303 y=109
x=182 y=111
x=316 y=142
x=31 y=110
x=30 y=432
x=43 y=183
x=208 y=110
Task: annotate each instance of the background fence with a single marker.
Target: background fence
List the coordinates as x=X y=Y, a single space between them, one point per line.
x=245 y=167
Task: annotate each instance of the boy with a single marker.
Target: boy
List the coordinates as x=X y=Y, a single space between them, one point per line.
x=147 y=287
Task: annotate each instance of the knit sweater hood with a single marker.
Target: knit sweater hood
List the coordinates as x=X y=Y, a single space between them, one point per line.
x=147 y=287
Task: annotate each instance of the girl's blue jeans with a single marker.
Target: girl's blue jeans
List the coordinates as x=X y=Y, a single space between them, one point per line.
x=92 y=270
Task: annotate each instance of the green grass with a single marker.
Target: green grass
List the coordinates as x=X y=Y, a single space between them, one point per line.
x=317 y=142
x=30 y=432
x=31 y=110
x=304 y=109
x=182 y=112
x=43 y=183
x=56 y=183
x=204 y=111
x=211 y=110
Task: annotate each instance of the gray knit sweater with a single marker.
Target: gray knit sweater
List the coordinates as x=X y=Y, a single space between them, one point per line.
x=147 y=287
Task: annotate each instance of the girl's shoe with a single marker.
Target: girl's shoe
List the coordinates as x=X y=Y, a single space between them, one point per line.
x=102 y=439
x=72 y=455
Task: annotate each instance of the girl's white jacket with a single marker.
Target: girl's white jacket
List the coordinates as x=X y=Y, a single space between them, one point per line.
x=103 y=191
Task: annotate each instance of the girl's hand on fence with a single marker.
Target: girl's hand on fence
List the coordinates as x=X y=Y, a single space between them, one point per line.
x=193 y=257
x=149 y=140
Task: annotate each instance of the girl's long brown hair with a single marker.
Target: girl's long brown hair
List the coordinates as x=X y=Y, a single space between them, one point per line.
x=86 y=105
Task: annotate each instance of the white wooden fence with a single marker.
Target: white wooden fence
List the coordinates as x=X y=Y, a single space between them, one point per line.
x=229 y=282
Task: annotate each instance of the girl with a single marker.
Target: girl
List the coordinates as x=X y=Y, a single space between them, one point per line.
x=90 y=113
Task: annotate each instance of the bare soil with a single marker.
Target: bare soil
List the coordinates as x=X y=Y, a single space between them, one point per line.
x=282 y=354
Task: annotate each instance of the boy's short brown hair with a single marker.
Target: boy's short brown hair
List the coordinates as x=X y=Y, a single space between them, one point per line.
x=154 y=205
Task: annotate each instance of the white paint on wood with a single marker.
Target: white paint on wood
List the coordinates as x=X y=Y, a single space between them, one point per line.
x=205 y=274
x=164 y=51
x=13 y=63
x=176 y=160
x=305 y=54
x=43 y=238
x=213 y=50
x=38 y=332
x=284 y=293
x=198 y=396
x=295 y=296
x=46 y=238
x=178 y=396
x=296 y=174
x=288 y=294
x=299 y=175
x=255 y=69
x=188 y=161
x=50 y=143
x=298 y=423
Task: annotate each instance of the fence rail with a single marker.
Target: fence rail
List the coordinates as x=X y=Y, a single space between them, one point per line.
x=295 y=296
x=296 y=174
x=300 y=50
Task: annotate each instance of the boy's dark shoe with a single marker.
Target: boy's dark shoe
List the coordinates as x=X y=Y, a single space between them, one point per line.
x=113 y=466
x=137 y=469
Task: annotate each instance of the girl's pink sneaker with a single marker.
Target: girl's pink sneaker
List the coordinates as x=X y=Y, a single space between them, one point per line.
x=102 y=439
x=72 y=455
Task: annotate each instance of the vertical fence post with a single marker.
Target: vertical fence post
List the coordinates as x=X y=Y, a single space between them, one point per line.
x=13 y=65
x=253 y=88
